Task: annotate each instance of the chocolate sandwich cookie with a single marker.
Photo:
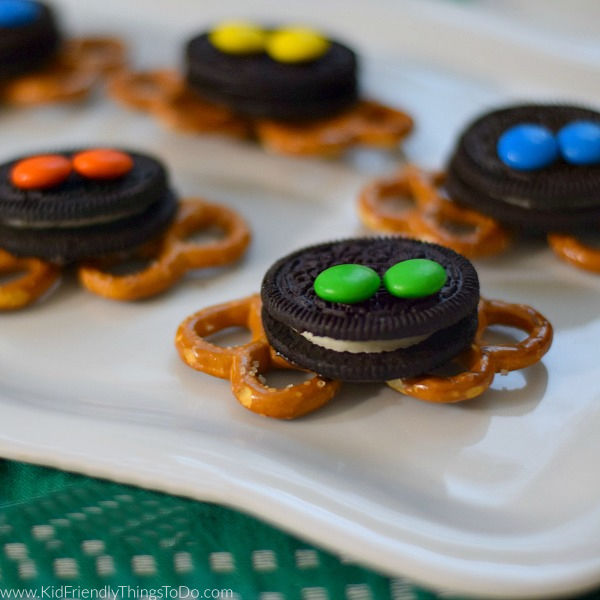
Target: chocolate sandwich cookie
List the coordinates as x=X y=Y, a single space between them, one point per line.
x=28 y=36
x=371 y=309
x=534 y=167
x=287 y=74
x=80 y=204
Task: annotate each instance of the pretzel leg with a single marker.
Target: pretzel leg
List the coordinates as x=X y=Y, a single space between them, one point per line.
x=431 y=217
x=245 y=364
x=375 y=214
x=380 y=126
x=483 y=236
x=196 y=215
x=186 y=111
x=100 y=55
x=367 y=123
x=477 y=377
x=482 y=361
x=70 y=76
x=175 y=256
x=160 y=275
x=510 y=357
x=56 y=83
x=287 y=403
x=142 y=90
x=164 y=93
x=209 y=358
x=37 y=278
x=570 y=249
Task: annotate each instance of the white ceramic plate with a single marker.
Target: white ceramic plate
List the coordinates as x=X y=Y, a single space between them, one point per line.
x=498 y=496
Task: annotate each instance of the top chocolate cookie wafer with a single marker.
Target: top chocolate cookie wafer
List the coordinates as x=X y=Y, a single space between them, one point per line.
x=287 y=73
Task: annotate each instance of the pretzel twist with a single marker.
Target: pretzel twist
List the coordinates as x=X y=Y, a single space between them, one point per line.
x=367 y=123
x=100 y=55
x=187 y=112
x=70 y=76
x=431 y=216
x=571 y=250
x=37 y=277
x=54 y=84
x=172 y=256
x=142 y=90
x=482 y=361
x=245 y=364
x=164 y=93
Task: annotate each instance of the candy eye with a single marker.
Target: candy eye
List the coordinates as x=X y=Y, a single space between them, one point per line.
x=16 y=13
x=102 y=163
x=238 y=37
x=49 y=170
x=415 y=278
x=347 y=283
x=296 y=45
x=527 y=146
x=579 y=142
x=40 y=172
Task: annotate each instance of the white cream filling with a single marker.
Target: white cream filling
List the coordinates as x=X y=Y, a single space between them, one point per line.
x=517 y=201
x=367 y=346
x=100 y=220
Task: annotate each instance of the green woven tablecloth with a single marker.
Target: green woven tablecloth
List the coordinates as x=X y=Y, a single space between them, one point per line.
x=68 y=536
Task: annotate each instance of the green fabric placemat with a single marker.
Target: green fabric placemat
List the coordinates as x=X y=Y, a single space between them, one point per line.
x=64 y=535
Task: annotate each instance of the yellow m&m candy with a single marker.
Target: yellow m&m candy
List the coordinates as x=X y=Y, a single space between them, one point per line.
x=238 y=37
x=296 y=44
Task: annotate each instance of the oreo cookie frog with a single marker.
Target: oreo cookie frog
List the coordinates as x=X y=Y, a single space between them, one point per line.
x=532 y=168
x=95 y=209
x=293 y=88
x=38 y=65
x=363 y=310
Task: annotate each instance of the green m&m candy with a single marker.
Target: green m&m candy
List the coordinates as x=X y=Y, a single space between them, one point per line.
x=415 y=278
x=347 y=284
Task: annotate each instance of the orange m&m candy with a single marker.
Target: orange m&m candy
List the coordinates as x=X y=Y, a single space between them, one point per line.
x=102 y=163
x=40 y=172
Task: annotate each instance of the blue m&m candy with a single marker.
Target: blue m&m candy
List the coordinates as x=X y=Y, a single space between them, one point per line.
x=579 y=142
x=15 y=13
x=527 y=146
